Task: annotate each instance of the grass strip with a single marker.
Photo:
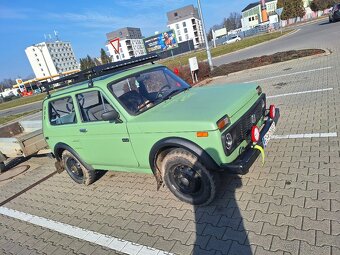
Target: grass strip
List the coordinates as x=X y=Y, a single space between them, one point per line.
x=222 y=49
x=6 y=119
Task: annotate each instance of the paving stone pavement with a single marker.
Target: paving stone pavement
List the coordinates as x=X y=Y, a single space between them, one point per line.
x=291 y=205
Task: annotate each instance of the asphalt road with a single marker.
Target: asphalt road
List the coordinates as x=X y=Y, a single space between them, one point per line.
x=21 y=109
x=320 y=34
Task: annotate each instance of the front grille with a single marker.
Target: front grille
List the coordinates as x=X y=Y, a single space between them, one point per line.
x=243 y=127
x=241 y=130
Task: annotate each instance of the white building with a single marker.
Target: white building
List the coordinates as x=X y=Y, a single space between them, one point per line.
x=252 y=15
x=187 y=25
x=51 y=58
x=131 y=43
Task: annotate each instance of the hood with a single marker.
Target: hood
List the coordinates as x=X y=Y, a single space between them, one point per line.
x=197 y=109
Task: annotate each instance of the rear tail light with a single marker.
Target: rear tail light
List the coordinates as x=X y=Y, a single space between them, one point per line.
x=255 y=134
x=272 y=111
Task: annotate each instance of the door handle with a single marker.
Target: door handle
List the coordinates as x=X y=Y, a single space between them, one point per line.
x=83 y=130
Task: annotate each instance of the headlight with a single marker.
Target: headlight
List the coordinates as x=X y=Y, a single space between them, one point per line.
x=228 y=141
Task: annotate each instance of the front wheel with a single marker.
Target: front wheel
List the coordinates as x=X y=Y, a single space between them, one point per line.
x=188 y=179
x=76 y=170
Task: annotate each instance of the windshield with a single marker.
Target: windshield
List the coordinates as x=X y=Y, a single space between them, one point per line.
x=141 y=91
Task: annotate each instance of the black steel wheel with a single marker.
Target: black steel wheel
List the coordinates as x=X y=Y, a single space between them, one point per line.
x=76 y=170
x=187 y=178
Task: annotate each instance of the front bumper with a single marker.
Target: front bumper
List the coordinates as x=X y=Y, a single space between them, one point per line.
x=242 y=164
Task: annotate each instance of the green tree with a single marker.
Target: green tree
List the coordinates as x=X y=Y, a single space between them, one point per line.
x=104 y=58
x=86 y=63
x=291 y=8
x=320 y=5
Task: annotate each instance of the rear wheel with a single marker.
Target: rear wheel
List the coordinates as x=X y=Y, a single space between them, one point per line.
x=76 y=170
x=330 y=20
x=188 y=179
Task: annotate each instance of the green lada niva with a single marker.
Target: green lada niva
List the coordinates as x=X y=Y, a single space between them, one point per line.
x=138 y=116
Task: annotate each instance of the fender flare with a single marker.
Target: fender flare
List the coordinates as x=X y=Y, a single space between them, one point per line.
x=183 y=143
x=63 y=146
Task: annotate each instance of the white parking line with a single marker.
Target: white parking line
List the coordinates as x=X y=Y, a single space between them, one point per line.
x=290 y=74
x=84 y=234
x=300 y=92
x=300 y=136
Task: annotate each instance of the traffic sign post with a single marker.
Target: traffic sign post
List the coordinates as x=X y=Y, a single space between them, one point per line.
x=115 y=45
x=279 y=13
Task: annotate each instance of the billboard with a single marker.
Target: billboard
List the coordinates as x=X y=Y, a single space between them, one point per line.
x=161 y=42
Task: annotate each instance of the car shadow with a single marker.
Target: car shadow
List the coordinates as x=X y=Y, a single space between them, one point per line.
x=219 y=226
x=325 y=23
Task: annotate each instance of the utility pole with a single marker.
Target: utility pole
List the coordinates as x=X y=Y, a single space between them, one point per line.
x=205 y=37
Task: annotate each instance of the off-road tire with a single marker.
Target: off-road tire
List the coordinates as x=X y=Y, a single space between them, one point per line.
x=2 y=167
x=84 y=176
x=173 y=163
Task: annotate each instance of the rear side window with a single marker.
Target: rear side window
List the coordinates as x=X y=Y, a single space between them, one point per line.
x=61 y=111
x=92 y=105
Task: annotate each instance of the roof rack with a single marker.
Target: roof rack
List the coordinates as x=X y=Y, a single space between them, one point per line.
x=97 y=71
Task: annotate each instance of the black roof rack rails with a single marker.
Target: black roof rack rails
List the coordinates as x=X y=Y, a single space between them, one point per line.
x=97 y=71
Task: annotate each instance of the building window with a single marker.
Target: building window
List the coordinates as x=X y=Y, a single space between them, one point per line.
x=179 y=32
x=184 y=24
x=180 y=38
x=186 y=37
x=185 y=30
x=175 y=14
x=249 y=19
x=177 y=26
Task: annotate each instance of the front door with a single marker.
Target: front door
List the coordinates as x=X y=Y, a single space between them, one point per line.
x=103 y=143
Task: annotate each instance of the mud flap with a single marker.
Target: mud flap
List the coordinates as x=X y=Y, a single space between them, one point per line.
x=59 y=166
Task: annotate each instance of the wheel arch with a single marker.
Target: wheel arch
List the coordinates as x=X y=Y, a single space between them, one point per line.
x=60 y=147
x=162 y=147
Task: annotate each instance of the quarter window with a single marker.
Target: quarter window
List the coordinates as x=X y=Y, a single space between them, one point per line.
x=92 y=105
x=61 y=111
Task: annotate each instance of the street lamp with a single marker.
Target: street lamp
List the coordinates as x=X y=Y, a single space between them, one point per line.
x=205 y=36
x=39 y=47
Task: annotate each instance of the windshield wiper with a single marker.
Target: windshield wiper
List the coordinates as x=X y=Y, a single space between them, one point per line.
x=174 y=92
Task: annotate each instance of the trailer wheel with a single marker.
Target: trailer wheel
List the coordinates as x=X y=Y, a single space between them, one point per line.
x=2 y=167
x=76 y=170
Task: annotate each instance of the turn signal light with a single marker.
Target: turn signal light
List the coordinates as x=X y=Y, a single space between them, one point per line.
x=223 y=122
x=255 y=134
x=272 y=111
x=202 y=134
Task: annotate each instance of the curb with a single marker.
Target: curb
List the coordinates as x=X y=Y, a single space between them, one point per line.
x=209 y=80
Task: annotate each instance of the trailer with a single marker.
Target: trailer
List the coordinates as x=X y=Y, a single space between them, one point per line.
x=21 y=139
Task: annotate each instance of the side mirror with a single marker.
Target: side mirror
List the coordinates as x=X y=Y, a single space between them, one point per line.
x=111 y=115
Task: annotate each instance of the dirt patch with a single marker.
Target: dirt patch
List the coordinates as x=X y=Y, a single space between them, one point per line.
x=263 y=60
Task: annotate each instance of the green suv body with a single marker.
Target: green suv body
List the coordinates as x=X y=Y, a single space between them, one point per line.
x=146 y=119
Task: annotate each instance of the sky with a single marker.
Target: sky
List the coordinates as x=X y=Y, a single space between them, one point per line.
x=85 y=23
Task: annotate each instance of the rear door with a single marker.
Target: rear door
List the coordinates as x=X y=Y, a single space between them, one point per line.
x=103 y=143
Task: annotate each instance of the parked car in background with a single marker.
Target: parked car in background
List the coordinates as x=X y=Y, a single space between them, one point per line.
x=334 y=14
x=232 y=39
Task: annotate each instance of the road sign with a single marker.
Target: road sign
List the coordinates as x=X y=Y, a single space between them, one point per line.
x=115 y=44
x=279 y=11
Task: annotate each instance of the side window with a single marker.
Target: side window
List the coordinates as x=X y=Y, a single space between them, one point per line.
x=61 y=111
x=92 y=105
